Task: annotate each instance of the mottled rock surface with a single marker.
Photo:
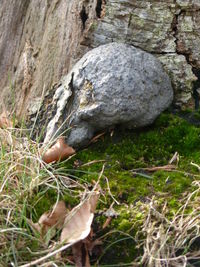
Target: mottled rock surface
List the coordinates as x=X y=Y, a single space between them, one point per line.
x=112 y=84
x=40 y=41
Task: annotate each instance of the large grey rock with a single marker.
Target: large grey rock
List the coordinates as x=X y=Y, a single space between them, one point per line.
x=112 y=84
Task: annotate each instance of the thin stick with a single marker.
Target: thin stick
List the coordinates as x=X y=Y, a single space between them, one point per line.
x=174 y=158
x=195 y=165
x=92 y=162
x=153 y=169
x=109 y=191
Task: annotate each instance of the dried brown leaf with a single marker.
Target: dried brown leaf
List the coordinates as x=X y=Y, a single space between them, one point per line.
x=52 y=219
x=76 y=228
x=77 y=225
x=57 y=152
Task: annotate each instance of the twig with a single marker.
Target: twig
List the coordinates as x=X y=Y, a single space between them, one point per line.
x=92 y=162
x=154 y=169
x=109 y=191
x=174 y=158
x=94 y=139
x=195 y=165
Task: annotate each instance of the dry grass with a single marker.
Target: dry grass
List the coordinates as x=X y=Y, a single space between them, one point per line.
x=22 y=175
x=171 y=240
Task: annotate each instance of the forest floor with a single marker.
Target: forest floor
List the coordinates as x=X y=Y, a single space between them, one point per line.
x=148 y=213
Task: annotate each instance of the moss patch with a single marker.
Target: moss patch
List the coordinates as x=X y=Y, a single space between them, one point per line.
x=128 y=150
x=124 y=155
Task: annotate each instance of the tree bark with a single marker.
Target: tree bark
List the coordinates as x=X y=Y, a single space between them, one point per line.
x=41 y=40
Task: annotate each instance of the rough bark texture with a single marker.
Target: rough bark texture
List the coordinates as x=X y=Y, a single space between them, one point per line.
x=41 y=40
x=38 y=43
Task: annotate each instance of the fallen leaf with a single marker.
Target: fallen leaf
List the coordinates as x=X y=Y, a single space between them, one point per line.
x=94 y=199
x=50 y=219
x=77 y=225
x=76 y=228
x=57 y=152
x=5 y=122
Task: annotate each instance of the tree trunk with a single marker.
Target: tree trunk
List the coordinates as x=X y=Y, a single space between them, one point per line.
x=41 y=40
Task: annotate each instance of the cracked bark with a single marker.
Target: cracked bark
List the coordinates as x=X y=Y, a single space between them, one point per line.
x=55 y=29
x=180 y=50
x=62 y=31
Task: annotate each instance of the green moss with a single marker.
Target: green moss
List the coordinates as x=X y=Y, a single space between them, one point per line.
x=124 y=225
x=129 y=150
x=124 y=156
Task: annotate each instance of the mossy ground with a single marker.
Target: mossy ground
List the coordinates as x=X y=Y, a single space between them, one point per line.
x=120 y=153
x=128 y=150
